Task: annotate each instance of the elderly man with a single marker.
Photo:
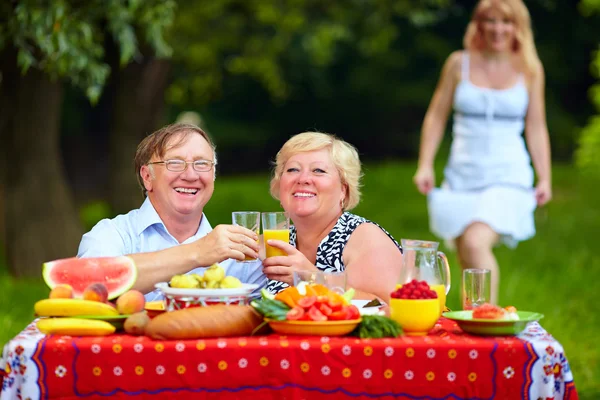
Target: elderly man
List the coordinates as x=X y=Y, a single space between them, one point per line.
x=169 y=234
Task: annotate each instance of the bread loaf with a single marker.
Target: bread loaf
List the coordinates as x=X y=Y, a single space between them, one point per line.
x=202 y=322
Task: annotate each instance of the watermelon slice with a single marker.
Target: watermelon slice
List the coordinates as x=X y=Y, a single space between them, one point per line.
x=118 y=274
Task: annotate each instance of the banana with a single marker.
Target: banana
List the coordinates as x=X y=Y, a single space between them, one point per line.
x=72 y=308
x=74 y=327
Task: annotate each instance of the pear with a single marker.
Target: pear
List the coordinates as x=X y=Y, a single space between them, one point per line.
x=214 y=273
x=184 y=282
x=230 y=282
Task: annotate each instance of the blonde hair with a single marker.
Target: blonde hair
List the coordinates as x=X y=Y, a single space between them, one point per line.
x=344 y=156
x=517 y=12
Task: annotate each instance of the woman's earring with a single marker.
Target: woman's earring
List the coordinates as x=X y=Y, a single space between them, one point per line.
x=342 y=204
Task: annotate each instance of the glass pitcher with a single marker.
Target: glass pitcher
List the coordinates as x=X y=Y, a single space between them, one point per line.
x=422 y=261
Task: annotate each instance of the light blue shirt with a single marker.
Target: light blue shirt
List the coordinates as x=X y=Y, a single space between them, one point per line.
x=142 y=231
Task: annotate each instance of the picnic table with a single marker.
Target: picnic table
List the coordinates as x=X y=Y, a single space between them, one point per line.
x=445 y=364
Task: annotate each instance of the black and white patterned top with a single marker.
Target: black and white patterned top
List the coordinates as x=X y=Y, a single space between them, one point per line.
x=331 y=248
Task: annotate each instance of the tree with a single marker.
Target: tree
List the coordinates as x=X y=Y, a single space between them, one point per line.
x=42 y=46
x=588 y=153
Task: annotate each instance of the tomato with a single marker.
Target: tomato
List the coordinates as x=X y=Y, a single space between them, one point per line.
x=334 y=304
x=338 y=315
x=325 y=309
x=322 y=299
x=353 y=312
x=294 y=313
x=307 y=302
x=316 y=315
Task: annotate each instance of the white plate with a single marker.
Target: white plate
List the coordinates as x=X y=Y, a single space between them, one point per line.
x=245 y=289
x=360 y=304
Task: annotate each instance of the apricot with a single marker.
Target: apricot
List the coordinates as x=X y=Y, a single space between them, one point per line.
x=131 y=302
x=136 y=323
x=61 y=291
x=96 y=292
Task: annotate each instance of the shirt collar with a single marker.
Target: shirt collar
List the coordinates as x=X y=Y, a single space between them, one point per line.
x=148 y=217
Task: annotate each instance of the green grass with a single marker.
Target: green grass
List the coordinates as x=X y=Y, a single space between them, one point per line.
x=555 y=273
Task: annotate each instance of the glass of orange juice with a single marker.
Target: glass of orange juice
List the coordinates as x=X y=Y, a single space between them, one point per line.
x=276 y=225
x=247 y=219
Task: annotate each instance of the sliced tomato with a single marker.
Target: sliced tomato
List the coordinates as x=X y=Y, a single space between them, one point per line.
x=353 y=312
x=339 y=315
x=334 y=304
x=307 y=302
x=325 y=309
x=305 y=317
x=316 y=315
x=322 y=299
x=295 y=313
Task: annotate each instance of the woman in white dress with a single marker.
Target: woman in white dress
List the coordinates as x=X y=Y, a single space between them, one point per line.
x=496 y=88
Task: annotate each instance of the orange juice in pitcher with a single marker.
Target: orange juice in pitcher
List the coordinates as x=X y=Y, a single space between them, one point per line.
x=422 y=261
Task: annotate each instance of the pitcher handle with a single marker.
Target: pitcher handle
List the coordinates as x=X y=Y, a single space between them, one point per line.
x=445 y=270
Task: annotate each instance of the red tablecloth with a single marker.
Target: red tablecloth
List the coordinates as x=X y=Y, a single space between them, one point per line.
x=446 y=364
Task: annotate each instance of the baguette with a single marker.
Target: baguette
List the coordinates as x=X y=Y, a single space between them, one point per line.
x=218 y=320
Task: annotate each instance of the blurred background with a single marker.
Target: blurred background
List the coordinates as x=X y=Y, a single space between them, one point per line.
x=81 y=83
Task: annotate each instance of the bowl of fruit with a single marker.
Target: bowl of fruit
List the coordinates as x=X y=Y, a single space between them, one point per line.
x=416 y=308
x=214 y=287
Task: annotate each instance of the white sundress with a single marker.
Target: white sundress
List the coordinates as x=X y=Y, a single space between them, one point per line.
x=488 y=177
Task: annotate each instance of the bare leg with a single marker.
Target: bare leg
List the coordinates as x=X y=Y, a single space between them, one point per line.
x=474 y=250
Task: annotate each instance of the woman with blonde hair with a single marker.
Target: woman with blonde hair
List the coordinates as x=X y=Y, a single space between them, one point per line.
x=496 y=87
x=317 y=180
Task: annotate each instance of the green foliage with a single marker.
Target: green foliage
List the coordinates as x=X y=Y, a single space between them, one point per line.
x=66 y=38
x=588 y=153
x=555 y=273
x=275 y=42
x=92 y=212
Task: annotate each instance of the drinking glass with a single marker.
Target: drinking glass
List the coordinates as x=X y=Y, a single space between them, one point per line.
x=276 y=225
x=247 y=219
x=476 y=288
x=334 y=281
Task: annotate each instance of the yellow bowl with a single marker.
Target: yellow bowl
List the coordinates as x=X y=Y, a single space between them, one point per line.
x=314 y=328
x=416 y=317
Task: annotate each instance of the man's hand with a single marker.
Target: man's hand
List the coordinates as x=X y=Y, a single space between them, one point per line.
x=226 y=241
x=281 y=268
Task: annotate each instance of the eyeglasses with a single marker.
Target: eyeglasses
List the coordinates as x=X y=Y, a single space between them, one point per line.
x=181 y=165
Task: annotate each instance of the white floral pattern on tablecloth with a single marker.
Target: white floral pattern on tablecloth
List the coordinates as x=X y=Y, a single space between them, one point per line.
x=551 y=368
x=18 y=366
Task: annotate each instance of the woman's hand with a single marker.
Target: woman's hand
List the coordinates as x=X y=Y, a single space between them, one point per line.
x=543 y=192
x=424 y=179
x=281 y=268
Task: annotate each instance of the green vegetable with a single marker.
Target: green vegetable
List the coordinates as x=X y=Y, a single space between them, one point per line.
x=349 y=294
x=265 y=294
x=376 y=326
x=269 y=308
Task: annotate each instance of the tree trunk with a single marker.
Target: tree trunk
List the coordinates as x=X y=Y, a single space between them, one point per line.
x=138 y=111
x=40 y=216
